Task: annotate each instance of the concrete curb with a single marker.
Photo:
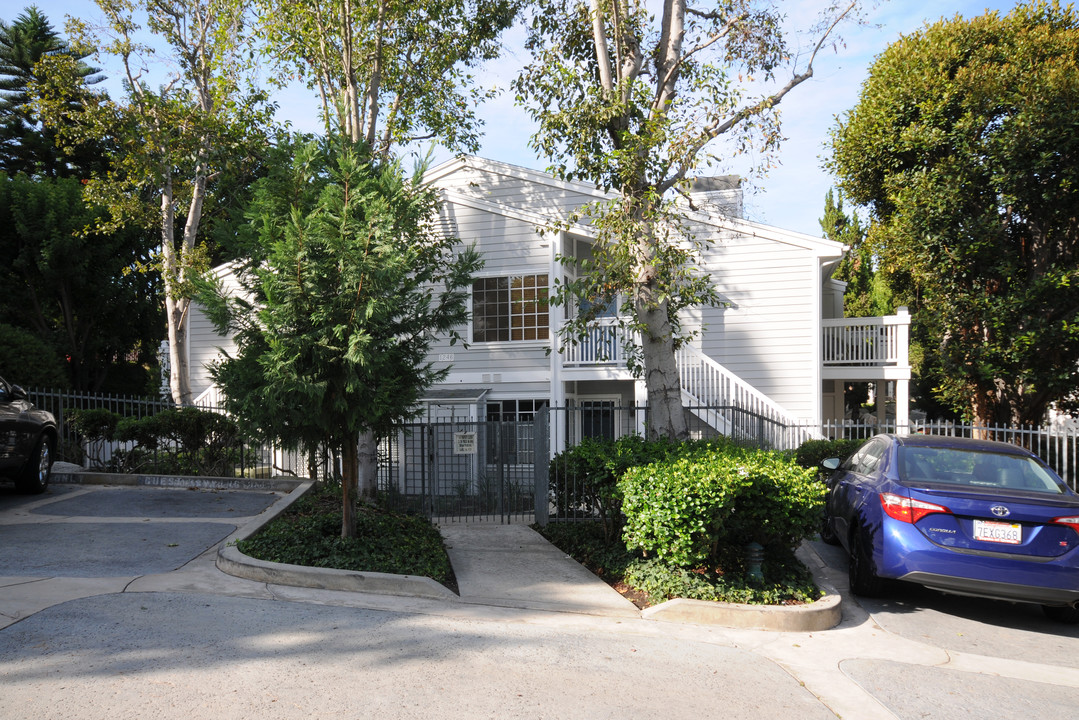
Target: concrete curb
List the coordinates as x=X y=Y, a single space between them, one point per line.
x=233 y=562
x=823 y=614
x=88 y=477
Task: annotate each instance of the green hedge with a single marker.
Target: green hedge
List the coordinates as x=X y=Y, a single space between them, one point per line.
x=184 y=441
x=28 y=361
x=584 y=478
x=810 y=453
x=685 y=510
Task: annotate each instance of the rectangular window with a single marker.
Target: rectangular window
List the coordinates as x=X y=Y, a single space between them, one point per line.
x=598 y=419
x=512 y=308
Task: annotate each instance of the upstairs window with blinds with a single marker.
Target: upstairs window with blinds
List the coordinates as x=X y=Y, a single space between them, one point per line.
x=508 y=309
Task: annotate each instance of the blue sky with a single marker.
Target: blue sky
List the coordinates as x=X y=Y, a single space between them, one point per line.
x=791 y=196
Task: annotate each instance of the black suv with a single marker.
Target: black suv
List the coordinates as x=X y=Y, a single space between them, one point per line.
x=27 y=439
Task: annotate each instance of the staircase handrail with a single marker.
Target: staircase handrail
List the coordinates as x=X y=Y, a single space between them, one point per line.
x=711 y=384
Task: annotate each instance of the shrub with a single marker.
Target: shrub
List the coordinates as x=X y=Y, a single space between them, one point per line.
x=686 y=509
x=186 y=441
x=811 y=453
x=97 y=427
x=191 y=441
x=786 y=580
x=585 y=477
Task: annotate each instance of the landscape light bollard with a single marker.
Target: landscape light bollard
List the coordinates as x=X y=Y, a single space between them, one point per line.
x=754 y=558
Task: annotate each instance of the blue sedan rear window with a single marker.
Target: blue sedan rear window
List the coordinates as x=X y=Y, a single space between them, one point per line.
x=965 y=468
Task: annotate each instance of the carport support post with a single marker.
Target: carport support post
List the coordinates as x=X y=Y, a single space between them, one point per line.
x=542 y=462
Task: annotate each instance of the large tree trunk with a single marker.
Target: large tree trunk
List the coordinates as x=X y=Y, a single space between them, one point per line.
x=179 y=371
x=175 y=306
x=667 y=417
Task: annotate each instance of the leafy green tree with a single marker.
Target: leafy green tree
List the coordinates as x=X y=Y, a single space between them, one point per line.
x=27 y=360
x=75 y=290
x=390 y=72
x=334 y=323
x=867 y=293
x=964 y=146
x=173 y=144
x=633 y=102
x=25 y=144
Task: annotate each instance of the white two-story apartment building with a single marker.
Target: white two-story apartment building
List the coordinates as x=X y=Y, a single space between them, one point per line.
x=779 y=351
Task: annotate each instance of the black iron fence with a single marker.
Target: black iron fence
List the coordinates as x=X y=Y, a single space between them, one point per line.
x=219 y=452
x=1057 y=444
x=477 y=470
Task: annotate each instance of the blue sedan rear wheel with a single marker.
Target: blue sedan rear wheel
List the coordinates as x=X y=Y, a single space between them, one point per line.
x=863 y=578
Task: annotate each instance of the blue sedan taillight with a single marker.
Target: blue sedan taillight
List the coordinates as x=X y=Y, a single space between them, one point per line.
x=1072 y=522
x=907 y=510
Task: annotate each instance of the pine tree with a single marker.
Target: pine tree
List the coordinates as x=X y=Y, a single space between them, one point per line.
x=25 y=145
x=338 y=316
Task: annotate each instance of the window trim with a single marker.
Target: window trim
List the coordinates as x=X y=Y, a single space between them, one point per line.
x=540 y=342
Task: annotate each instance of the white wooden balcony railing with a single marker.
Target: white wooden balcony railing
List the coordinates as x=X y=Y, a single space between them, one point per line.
x=603 y=345
x=717 y=395
x=868 y=342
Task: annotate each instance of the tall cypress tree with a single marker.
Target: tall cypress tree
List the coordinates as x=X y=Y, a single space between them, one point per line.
x=336 y=319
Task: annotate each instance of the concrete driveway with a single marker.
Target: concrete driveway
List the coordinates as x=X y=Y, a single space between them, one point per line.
x=113 y=608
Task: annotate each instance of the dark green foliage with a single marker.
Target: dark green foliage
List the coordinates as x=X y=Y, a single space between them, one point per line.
x=74 y=290
x=26 y=146
x=338 y=313
x=351 y=284
x=587 y=543
x=27 y=360
x=786 y=580
x=684 y=511
x=869 y=290
x=95 y=424
x=309 y=533
x=186 y=441
x=964 y=145
x=585 y=477
x=810 y=453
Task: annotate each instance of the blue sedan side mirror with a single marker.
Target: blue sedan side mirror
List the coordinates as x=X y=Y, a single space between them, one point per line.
x=830 y=464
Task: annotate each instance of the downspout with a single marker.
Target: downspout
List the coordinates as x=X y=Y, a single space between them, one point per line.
x=556 y=317
x=818 y=345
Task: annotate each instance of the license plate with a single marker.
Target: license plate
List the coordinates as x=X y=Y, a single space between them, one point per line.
x=998 y=532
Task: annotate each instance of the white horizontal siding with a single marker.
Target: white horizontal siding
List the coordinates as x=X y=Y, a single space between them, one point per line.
x=508 y=246
x=768 y=335
x=204 y=342
x=551 y=200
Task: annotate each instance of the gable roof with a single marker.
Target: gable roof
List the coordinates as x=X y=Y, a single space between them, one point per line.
x=441 y=175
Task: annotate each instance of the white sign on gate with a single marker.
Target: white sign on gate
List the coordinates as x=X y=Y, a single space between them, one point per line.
x=464 y=443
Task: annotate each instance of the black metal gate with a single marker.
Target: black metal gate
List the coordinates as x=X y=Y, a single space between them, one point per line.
x=463 y=471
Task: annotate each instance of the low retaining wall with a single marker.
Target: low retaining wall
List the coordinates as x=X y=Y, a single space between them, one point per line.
x=80 y=477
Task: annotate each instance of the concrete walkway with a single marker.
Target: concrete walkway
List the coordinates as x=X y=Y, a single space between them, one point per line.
x=514 y=566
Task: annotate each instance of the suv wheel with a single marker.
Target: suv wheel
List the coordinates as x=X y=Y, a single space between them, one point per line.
x=35 y=476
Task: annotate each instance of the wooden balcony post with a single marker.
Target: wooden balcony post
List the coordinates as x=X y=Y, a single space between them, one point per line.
x=902 y=386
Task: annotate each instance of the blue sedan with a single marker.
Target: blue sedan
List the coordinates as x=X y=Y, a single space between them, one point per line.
x=969 y=517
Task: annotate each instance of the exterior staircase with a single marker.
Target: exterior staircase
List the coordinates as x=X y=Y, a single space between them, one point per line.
x=732 y=406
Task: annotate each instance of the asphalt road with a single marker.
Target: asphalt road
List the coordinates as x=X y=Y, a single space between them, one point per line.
x=110 y=606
